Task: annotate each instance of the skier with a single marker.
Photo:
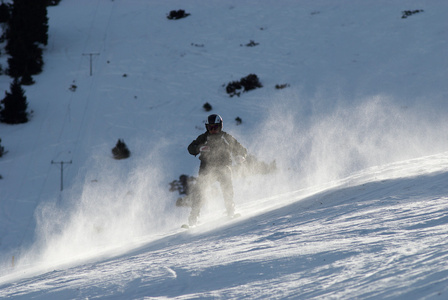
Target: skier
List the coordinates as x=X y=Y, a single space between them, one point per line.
x=216 y=149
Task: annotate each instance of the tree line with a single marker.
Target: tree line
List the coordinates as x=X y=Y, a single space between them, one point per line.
x=25 y=31
x=25 y=35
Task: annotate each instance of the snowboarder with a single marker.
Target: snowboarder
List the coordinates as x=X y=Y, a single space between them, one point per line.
x=216 y=149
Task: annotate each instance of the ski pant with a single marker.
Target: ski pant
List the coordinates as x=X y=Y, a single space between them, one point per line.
x=208 y=176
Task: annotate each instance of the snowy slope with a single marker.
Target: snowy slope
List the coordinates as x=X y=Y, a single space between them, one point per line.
x=357 y=208
x=384 y=239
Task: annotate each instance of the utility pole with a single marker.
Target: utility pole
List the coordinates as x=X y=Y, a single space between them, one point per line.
x=62 y=170
x=90 y=54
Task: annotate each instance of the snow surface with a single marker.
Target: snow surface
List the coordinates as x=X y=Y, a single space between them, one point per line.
x=356 y=210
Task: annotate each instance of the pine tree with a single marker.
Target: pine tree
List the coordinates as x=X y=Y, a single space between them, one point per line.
x=2 y=149
x=4 y=13
x=53 y=2
x=121 y=151
x=14 y=105
x=27 y=32
x=29 y=21
x=25 y=61
x=27 y=79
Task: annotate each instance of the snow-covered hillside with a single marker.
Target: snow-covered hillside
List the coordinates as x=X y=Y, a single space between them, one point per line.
x=356 y=209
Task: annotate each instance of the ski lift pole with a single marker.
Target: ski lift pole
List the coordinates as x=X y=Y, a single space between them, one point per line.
x=90 y=54
x=62 y=170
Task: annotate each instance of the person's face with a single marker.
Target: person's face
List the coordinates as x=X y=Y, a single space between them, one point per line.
x=214 y=128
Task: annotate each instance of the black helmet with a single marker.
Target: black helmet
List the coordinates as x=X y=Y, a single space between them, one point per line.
x=212 y=120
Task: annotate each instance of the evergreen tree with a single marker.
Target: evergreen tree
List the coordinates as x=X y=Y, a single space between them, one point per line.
x=53 y=2
x=26 y=60
x=27 y=32
x=2 y=149
x=29 y=21
x=27 y=79
x=121 y=151
x=14 y=105
x=4 y=13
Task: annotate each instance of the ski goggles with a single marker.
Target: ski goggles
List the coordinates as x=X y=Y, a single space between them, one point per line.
x=213 y=127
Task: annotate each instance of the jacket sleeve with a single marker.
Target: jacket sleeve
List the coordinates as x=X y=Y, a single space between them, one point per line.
x=236 y=147
x=193 y=148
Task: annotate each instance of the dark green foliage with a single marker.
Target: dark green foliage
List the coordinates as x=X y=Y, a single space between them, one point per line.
x=182 y=185
x=238 y=120
x=27 y=79
x=29 y=18
x=25 y=60
x=250 y=82
x=177 y=14
x=27 y=32
x=281 y=86
x=207 y=106
x=73 y=87
x=14 y=105
x=4 y=13
x=408 y=13
x=234 y=88
x=251 y=44
x=2 y=149
x=53 y=2
x=121 y=151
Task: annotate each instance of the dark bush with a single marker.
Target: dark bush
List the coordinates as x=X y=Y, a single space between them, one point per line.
x=177 y=14
x=121 y=151
x=408 y=13
x=233 y=88
x=73 y=87
x=2 y=149
x=250 y=82
x=252 y=44
x=281 y=86
x=238 y=121
x=207 y=107
x=183 y=185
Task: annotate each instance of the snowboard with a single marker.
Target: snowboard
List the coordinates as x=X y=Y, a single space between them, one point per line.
x=186 y=226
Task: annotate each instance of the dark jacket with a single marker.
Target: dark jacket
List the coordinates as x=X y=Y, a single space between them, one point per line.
x=222 y=147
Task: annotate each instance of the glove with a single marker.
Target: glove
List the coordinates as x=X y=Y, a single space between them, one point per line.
x=204 y=149
x=240 y=159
